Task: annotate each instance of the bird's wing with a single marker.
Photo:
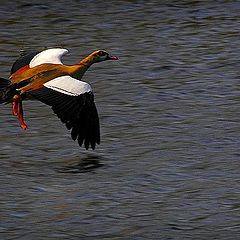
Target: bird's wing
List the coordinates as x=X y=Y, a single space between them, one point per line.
x=68 y=85
x=73 y=102
x=53 y=55
x=35 y=58
x=23 y=61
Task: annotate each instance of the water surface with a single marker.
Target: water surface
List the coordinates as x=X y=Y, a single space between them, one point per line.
x=168 y=164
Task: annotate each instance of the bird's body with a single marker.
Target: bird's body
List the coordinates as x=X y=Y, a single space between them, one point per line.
x=42 y=73
x=35 y=77
x=44 y=77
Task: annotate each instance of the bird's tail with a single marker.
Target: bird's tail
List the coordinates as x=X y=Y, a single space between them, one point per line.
x=7 y=90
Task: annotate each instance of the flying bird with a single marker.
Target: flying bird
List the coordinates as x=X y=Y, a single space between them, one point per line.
x=42 y=76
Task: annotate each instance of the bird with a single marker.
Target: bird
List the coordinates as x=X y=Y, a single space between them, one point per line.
x=41 y=75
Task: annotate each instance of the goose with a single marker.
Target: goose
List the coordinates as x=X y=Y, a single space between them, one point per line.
x=43 y=76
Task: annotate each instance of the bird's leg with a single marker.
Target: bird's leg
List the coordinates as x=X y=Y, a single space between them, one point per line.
x=20 y=116
x=17 y=110
x=15 y=103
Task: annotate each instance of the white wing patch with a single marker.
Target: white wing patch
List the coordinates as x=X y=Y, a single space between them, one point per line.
x=53 y=55
x=68 y=85
x=64 y=84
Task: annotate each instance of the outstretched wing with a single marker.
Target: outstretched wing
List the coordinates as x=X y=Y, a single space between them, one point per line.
x=75 y=106
x=23 y=61
x=35 y=58
x=53 y=55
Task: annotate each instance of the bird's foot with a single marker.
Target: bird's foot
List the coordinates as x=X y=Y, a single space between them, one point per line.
x=23 y=125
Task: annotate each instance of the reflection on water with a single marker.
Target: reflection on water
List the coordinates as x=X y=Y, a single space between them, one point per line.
x=168 y=164
x=81 y=165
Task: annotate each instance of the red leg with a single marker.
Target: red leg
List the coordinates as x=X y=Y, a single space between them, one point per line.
x=15 y=103
x=15 y=108
x=20 y=116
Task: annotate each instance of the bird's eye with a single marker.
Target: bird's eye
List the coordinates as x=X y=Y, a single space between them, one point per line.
x=101 y=53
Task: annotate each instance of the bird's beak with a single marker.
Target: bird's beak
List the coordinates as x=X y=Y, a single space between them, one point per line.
x=112 y=58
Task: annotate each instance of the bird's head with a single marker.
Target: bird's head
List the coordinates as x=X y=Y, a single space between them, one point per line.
x=102 y=55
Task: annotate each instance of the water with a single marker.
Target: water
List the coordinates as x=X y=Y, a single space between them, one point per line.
x=168 y=164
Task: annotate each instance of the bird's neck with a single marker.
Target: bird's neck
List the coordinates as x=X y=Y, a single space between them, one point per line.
x=87 y=61
x=79 y=69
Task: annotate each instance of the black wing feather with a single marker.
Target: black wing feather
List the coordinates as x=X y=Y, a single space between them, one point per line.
x=24 y=59
x=79 y=113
